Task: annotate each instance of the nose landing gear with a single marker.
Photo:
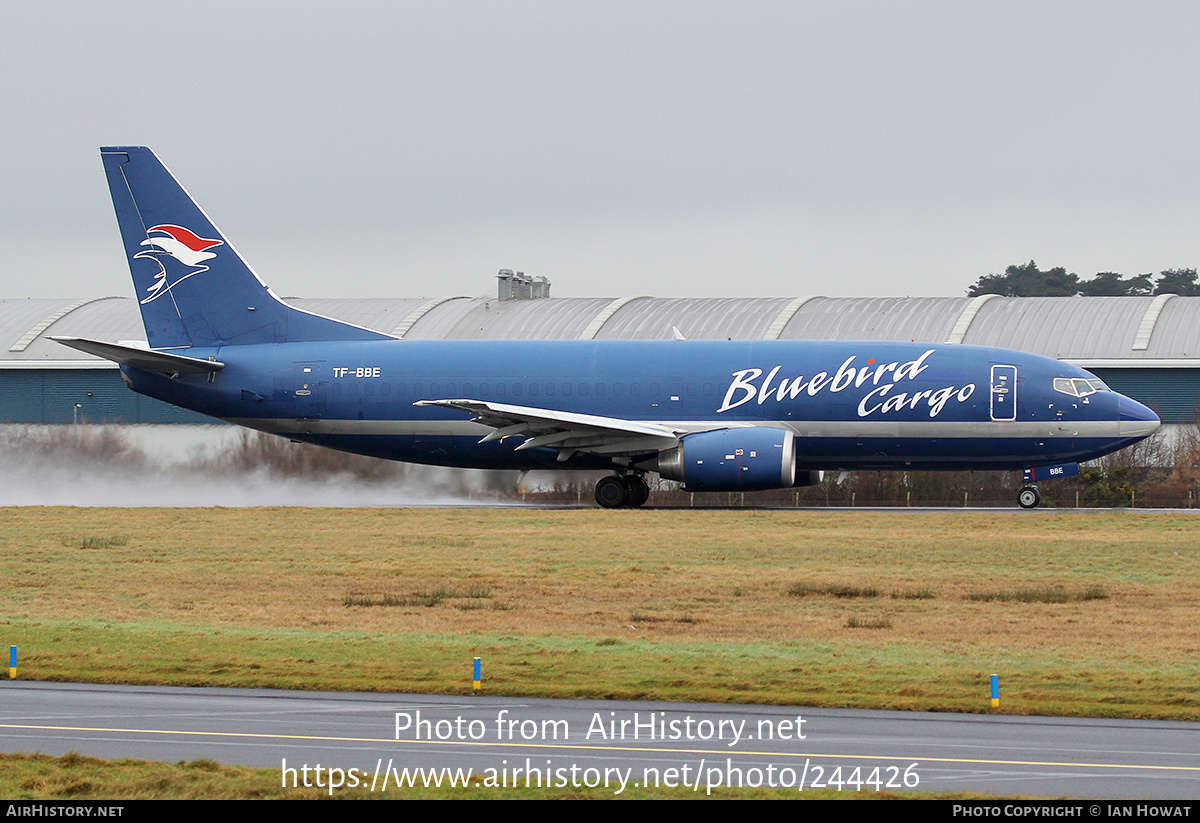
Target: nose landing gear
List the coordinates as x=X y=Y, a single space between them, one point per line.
x=627 y=491
x=1029 y=496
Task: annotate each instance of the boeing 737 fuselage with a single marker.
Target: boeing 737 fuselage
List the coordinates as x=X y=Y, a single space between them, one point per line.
x=714 y=415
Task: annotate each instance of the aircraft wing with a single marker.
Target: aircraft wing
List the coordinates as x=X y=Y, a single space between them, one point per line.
x=144 y=359
x=566 y=431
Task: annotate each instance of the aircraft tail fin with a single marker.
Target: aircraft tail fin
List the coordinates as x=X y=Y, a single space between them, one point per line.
x=193 y=288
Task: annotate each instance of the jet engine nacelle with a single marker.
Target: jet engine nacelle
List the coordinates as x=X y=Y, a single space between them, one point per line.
x=746 y=459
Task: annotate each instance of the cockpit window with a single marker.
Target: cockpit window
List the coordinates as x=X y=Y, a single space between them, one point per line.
x=1078 y=387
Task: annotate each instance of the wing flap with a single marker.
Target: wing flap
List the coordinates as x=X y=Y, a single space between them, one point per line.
x=568 y=432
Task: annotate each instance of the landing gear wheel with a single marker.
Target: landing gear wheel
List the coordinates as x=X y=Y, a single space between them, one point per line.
x=611 y=492
x=639 y=490
x=1029 y=497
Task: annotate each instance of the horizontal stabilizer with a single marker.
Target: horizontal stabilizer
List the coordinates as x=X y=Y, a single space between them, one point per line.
x=144 y=359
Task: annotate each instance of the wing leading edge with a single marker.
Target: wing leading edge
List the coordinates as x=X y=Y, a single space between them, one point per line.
x=566 y=431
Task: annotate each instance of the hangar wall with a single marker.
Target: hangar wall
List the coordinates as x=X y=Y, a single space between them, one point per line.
x=65 y=395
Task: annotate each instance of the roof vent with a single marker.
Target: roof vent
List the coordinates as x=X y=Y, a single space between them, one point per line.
x=516 y=285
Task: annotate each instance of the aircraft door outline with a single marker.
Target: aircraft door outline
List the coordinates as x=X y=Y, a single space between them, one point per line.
x=308 y=394
x=1004 y=393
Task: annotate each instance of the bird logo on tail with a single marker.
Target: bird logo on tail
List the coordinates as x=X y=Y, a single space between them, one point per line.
x=169 y=240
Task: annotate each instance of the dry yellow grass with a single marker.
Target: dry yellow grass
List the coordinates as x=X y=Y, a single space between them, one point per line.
x=661 y=603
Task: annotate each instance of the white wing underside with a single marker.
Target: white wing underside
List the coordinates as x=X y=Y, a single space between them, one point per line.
x=566 y=431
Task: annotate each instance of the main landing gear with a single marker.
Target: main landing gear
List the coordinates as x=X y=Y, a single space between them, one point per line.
x=1028 y=497
x=622 y=492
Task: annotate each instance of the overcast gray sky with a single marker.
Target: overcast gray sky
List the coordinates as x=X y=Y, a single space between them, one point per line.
x=381 y=149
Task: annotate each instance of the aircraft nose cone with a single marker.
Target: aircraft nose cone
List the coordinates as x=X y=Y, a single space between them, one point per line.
x=1134 y=419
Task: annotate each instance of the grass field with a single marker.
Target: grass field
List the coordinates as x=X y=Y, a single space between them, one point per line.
x=1078 y=613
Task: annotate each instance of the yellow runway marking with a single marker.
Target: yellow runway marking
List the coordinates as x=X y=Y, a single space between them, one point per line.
x=593 y=747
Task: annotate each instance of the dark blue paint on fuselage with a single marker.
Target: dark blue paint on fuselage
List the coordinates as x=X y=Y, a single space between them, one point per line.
x=253 y=359
x=357 y=382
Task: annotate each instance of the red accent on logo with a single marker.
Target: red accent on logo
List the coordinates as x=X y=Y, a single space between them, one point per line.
x=186 y=236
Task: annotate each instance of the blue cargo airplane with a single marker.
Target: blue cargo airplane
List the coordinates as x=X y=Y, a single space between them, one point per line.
x=713 y=415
